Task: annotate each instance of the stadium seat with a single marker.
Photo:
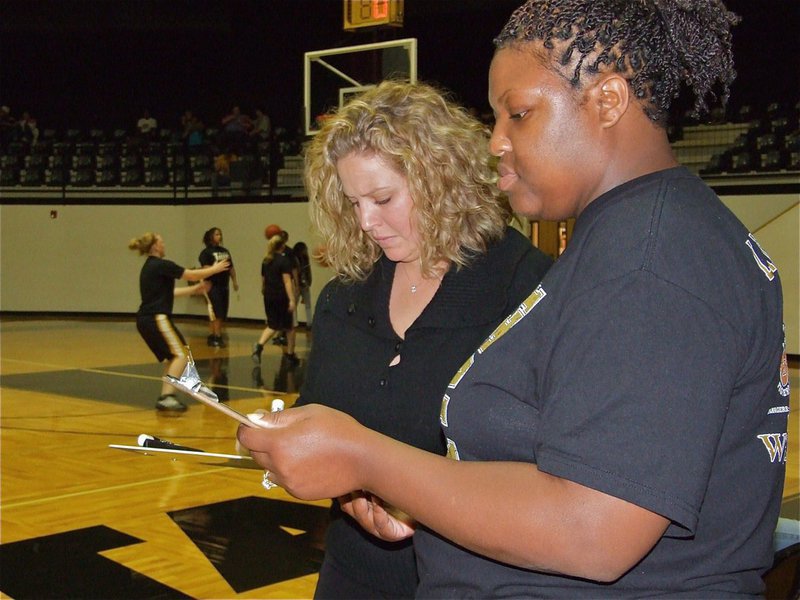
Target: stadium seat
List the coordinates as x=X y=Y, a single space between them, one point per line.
x=201 y=177
x=106 y=177
x=177 y=177
x=82 y=161
x=33 y=161
x=56 y=177
x=10 y=161
x=156 y=147
x=743 y=162
x=97 y=135
x=130 y=177
x=176 y=160
x=106 y=161
x=58 y=161
x=129 y=161
x=107 y=149
x=200 y=161
x=773 y=160
x=85 y=149
x=782 y=125
x=154 y=160
x=42 y=147
x=9 y=176
x=31 y=176
x=73 y=136
x=793 y=160
x=744 y=142
x=768 y=141
x=81 y=177
x=156 y=176
x=718 y=163
x=792 y=141
x=62 y=148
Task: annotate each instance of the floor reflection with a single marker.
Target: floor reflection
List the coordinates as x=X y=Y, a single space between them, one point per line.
x=287 y=378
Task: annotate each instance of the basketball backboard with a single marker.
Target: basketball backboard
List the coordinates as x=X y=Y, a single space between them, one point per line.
x=333 y=76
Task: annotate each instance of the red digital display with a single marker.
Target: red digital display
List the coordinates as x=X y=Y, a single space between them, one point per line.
x=380 y=9
x=373 y=13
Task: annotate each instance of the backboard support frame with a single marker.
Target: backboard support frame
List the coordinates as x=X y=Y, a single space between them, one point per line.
x=355 y=82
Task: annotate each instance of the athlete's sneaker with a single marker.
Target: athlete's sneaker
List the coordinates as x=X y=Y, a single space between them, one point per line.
x=170 y=403
x=256 y=355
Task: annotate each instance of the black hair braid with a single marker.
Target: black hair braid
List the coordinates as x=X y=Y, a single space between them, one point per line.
x=657 y=45
x=701 y=32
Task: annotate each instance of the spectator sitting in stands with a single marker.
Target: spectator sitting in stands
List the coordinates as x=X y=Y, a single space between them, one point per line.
x=26 y=130
x=146 y=126
x=236 y=127
x=222 y=168
x=7 y=125
x=262 y=126
x=193 y=129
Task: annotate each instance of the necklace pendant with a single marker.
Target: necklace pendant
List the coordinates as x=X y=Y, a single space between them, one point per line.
x=413 y=289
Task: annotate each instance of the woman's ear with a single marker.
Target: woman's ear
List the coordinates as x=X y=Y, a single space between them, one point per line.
x=613 y=99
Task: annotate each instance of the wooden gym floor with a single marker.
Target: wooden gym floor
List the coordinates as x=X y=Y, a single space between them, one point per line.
x=82 y=520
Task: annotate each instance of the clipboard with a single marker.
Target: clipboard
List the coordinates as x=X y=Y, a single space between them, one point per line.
x=218 y=459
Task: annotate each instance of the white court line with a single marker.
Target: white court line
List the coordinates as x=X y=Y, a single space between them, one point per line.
x=115 y=373
x=124 y=486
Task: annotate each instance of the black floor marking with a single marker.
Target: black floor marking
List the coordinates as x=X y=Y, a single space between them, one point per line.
x=246 y=539
x=252 y=542
x=67 y=565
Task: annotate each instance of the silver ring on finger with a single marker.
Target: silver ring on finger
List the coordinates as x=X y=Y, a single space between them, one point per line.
x=266 y=483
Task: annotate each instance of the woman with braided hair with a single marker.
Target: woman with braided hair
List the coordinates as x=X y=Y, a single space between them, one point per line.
x=623 y=433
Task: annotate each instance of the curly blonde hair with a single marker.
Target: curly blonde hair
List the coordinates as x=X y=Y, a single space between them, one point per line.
x=440 y=149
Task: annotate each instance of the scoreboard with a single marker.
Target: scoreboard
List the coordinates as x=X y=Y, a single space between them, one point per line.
x=359 y=14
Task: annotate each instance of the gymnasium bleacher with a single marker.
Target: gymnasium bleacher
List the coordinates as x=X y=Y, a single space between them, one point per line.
x=752 y=142
x=111 y=159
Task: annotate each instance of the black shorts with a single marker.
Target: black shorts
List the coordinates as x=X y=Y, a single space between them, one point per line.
x=277 y=309
x=220 y=300
x=162 y=337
